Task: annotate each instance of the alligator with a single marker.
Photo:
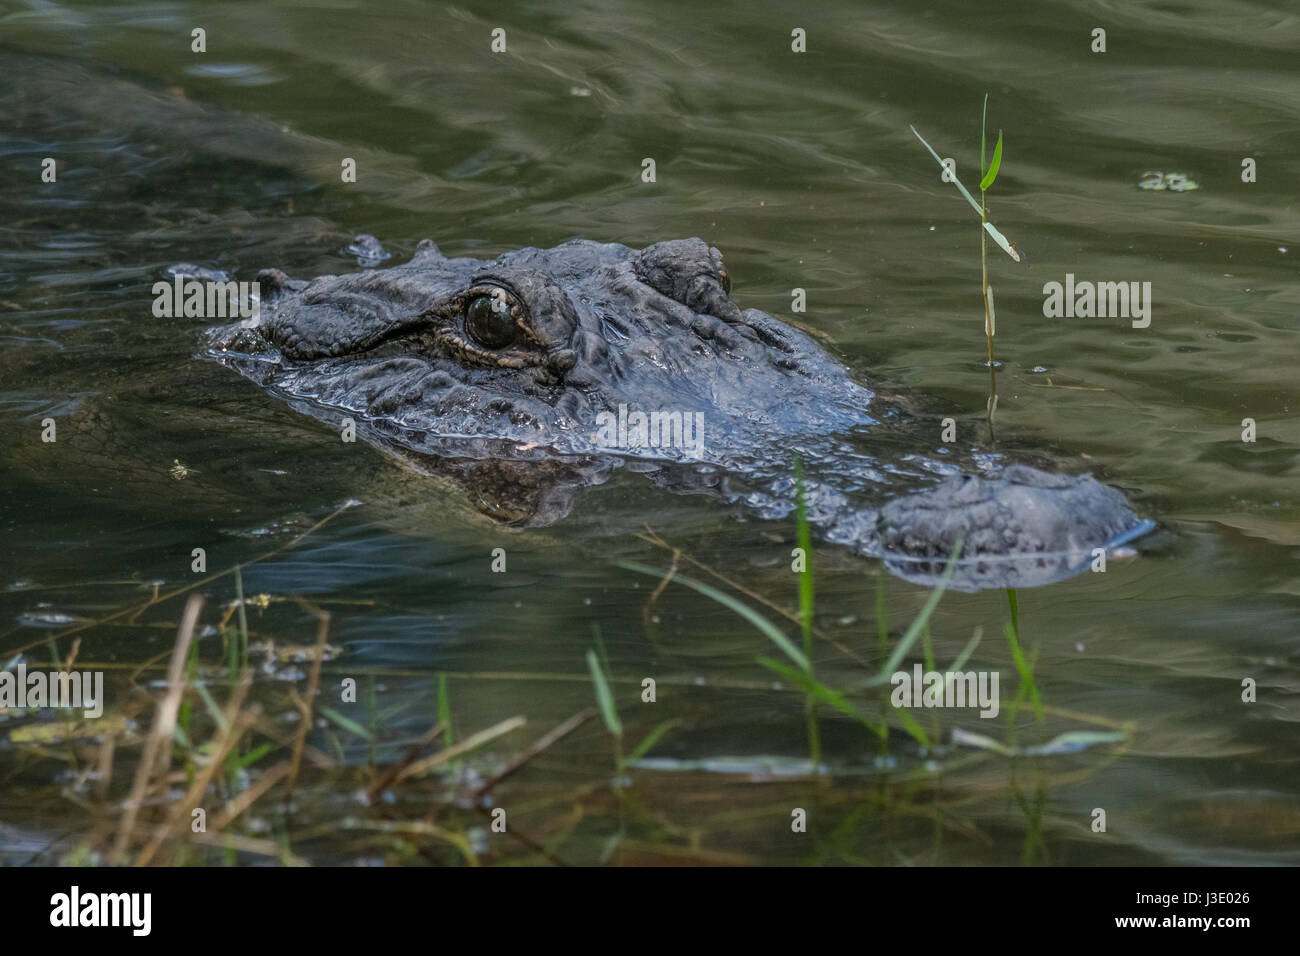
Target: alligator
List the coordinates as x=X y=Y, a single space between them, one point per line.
x=539 y=372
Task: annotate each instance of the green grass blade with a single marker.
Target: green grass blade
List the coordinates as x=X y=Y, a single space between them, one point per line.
x=243 y=617
x=600 y=647
x=882 y=620
x=967 y=651
x=831 y=698
x=214 y=709
x=914 y=630
x=1001 y=240
x=912 y=727
x=347 y=723
x=803 y=535
x=250 y=758
x=1025 y=671
x=955 y=181
x=984 y=118
x=604 y=697
x=651 y=739
x=804 y=538
x=766 y=627
x=444 y=710
x=994 y=166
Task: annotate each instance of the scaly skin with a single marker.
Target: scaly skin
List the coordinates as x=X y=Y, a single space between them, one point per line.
x=498 y=370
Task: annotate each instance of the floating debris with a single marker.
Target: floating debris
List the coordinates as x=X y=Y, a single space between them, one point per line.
x=756 y=769
x=293 y=653
x=48 y=619
x=1066 y=743
x=1174 y=182
x=62 y=730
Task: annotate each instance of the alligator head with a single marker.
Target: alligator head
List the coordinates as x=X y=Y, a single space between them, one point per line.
x=536 y=373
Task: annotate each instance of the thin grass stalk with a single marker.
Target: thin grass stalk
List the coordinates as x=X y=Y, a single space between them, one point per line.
x=806 y=605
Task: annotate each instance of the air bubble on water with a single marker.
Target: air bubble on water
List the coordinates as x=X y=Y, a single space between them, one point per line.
x=1078 y=646
x=1039 y=368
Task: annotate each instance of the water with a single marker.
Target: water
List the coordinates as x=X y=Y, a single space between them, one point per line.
x=802 y=169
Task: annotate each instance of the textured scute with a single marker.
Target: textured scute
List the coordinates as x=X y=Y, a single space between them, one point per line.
x=600 y=332
x=606 y=327
x=1022 y=528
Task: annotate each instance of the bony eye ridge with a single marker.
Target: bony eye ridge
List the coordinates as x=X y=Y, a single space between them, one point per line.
x=489 y=322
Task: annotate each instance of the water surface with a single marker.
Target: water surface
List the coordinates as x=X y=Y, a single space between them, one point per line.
x=803 y=170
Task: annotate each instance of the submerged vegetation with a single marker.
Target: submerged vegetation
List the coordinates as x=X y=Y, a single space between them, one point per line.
x=799 y=670
x=243 y=741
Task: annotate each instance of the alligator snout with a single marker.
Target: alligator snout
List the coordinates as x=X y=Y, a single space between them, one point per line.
x=1023 y=528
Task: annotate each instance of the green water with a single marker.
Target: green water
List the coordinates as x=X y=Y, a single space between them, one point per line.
x=802 y=169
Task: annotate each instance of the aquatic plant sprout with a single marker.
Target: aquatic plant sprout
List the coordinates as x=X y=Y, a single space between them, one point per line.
x=991 y=229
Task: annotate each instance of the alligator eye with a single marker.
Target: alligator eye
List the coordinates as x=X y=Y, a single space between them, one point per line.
x=489 y=322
